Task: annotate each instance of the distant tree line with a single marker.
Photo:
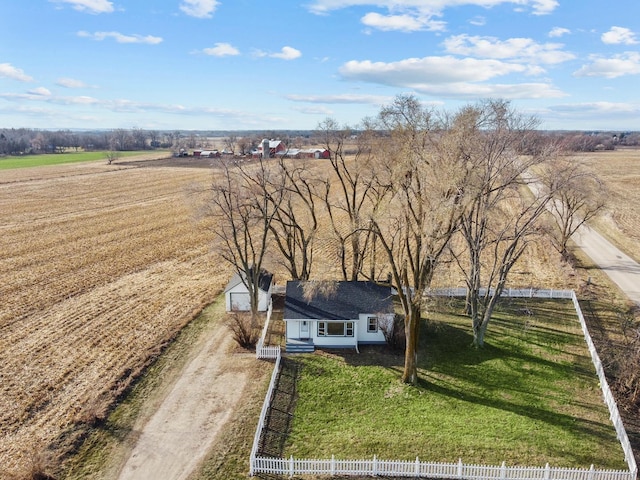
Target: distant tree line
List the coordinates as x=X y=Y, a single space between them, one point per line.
x=23 y=141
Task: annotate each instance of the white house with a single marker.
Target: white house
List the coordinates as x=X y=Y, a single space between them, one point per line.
x=237 y=295
x=353 y=315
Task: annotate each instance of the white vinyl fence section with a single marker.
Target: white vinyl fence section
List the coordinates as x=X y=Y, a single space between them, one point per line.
x=459 y=470
x=263 y=351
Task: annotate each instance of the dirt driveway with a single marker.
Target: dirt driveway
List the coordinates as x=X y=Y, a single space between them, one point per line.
x=177 y=436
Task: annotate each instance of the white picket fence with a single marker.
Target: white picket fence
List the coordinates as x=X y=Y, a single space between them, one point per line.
x=459 y=470
x=399 y=468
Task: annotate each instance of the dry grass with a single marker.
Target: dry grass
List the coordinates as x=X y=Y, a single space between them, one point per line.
x=620 y=171
x=102 y=266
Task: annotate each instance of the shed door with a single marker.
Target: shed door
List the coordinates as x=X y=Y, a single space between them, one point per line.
x=240 y=301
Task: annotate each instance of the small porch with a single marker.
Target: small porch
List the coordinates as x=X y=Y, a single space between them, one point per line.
x=298 y=345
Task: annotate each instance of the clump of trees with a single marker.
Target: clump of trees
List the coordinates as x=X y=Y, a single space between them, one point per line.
x=418 y=187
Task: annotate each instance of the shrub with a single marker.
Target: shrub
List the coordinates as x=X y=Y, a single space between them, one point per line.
x=393 y=331
x=241 y=326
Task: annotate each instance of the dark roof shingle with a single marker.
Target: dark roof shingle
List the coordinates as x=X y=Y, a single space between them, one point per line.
x=350 y=300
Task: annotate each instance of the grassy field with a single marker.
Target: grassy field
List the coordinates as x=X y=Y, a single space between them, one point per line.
x=530 y=397
x=25 y=161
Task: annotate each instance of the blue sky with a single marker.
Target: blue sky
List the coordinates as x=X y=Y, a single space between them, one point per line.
x=271 y=65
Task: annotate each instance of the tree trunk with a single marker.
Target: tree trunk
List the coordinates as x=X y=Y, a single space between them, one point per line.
x=412 y=330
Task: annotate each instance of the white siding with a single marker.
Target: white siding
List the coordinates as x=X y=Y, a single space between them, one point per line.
x=237 y=299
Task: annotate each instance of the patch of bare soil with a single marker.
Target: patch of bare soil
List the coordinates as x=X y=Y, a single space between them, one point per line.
x=171 y=442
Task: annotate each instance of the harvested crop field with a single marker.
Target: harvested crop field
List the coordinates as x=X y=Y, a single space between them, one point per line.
x=102 y=266
x=620 y=172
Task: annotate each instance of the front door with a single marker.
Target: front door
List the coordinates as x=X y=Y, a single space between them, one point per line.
x=304 y=329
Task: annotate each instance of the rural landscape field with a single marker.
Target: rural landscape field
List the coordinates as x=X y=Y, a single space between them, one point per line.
x=104 y=264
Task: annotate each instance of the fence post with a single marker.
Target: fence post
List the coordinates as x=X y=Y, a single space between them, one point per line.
x=333 y=465
x=547 y=471
x=591 y=472
x=291 y=466
x=503 y=471
x=459 y=468
x=374 y=466
x=417 y=469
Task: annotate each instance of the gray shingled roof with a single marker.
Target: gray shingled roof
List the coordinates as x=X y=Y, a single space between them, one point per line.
x=350 y=300
x=264 y=280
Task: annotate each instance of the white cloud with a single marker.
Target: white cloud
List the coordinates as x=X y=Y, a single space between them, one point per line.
x=408 y=15
x=122 y=38
x=9 y=71
x=42 y=91
x=428 y=70
x=627 y=63
x=345 y=98
x=520 y=49
x=287 y=53
x=559 y=32
x=70 y=83
x=619 y=35
x=478 y=21
x=403 y=23
x=89 y=6
x=199 y=8
x=449 y=76
x=221 y=50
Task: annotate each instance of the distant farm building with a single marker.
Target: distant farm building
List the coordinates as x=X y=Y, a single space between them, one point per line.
x=206 y=153
x=275 y=146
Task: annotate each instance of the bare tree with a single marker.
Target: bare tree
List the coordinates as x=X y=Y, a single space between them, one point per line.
x=230 y=142
x=295 y=223
x=418 y=202
x=243 y=203
x=579 y=197
x=501 y=218
x=242 y=328
x=352 y=178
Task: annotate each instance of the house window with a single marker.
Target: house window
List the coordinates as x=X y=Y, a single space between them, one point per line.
x=348 y=329
x=335 y=329
x=372 y=324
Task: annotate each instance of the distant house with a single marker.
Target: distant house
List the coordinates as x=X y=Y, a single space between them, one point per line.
x=237 y=294
x=353 y=315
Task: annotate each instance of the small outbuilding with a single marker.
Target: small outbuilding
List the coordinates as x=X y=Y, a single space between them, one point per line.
x=237 y=294
x=355 y=313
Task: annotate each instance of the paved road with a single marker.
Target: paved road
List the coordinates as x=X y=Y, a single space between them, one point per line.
x=621 y=269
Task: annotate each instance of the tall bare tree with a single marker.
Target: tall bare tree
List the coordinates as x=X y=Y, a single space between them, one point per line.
x=418 y=201
x=579 y=196
x=502 y=215
x=295 y=223
x=243 y=203
x=345 y=195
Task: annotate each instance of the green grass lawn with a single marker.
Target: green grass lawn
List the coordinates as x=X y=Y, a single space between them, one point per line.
x=529 y=397
x=55 y=159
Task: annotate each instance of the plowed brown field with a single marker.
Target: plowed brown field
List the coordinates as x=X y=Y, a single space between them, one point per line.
x=101 y=266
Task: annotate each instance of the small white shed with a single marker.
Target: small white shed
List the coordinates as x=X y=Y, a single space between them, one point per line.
x=237 y=295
